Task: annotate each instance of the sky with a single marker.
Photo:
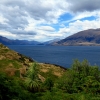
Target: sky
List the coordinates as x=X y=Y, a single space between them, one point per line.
x=44 y=20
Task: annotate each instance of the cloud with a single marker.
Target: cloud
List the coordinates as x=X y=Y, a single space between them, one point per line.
x=46 y=28
x=8 y=34
x=38 y=9
x=84 y=5
x=23 y=17
x=3 y=20
x=79 y=25
x=40 y=19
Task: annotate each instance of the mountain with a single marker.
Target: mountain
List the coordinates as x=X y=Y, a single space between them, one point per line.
x=89 y=37
x=7 y=41
x=50 y=42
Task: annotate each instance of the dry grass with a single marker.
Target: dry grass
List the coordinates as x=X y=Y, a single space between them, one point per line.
x=16 y=64
x=58 y=71
x=12 y=62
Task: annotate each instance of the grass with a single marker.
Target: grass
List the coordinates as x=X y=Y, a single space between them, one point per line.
x=9 y=63
x=56 y=70
x=11 y=60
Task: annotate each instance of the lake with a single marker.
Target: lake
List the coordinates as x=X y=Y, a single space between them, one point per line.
x=60 y=55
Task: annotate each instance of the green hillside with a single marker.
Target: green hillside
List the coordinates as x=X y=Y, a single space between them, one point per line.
x=11 y=61
x=21 y=78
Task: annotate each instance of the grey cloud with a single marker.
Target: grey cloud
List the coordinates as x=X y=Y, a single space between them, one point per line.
x=3 y=26
x=16 y=17
x=22 y=32
x=84 y=5
x=17 y=22
x=12 y=3
x=14 y=23
x=34 y=8
x=37 y=10
x=17 y=12
x=38 y=13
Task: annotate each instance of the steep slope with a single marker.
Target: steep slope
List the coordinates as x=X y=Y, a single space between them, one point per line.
x=86 y=37
x=7 y=41
x=14 y=63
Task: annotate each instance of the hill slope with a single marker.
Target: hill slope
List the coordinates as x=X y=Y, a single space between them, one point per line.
x=86 y=37
x=12 y=62
x=46 y=81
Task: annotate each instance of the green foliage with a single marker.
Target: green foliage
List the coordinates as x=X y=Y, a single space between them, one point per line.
x=48 y=84
x=32 y=80
x=17 y=73
x=80 y=78
x=6 y=62
x=80 y=82
x=81 y=68
x=33 y=71
x=50 y=79
x=10 y=88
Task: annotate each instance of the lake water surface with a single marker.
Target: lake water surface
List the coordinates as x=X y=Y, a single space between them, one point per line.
x=60 y=55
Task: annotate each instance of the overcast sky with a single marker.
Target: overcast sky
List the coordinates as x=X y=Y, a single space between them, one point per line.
x=44 y=20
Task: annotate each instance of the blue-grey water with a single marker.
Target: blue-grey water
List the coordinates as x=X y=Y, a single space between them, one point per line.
x=60 y=55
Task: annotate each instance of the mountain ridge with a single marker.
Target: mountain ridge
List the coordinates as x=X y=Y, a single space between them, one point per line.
x=90 y=37
x=7 y=41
